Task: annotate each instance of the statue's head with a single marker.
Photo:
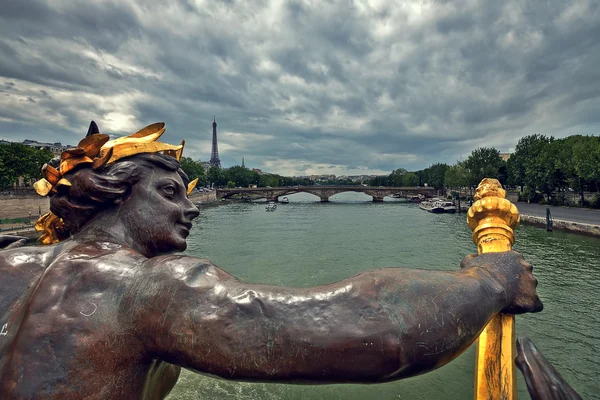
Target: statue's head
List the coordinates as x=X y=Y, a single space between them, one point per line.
x=134 y=179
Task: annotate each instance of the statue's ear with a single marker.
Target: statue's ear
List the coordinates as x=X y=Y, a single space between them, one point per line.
x=93 y=129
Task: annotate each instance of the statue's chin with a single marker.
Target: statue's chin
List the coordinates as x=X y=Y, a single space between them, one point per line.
x=174 y=248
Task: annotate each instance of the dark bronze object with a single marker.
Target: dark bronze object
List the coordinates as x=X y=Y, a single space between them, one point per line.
x=111 y=313
x=11 y=241
x=542 y=379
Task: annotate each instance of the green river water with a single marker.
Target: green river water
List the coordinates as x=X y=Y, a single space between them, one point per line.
x=304 y=244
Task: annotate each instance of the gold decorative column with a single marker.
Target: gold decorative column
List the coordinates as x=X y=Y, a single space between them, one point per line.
x=492 y=218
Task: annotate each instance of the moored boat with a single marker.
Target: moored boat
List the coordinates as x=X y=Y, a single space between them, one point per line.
x=427 y=204
x=440 y=207
x=416 y=198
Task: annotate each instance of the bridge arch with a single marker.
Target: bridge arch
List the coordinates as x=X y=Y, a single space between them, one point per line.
x=325 y=192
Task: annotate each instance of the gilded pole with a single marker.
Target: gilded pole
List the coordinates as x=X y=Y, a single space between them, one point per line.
x=492 y=218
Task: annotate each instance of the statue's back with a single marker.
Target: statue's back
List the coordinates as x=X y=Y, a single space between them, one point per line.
x=21 y=270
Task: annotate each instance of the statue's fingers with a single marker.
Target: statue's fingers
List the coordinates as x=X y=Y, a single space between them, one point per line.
x=536 y=303
x=538 y=306
x=6 y=240
x=18 y=243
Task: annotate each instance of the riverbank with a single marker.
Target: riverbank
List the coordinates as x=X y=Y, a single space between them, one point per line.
x=14 y=210
x=583 y=221
x=577 y=220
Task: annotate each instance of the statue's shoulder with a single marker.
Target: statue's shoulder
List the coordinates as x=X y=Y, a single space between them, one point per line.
x=191 y=271
x=20 y=271
x=35 y=257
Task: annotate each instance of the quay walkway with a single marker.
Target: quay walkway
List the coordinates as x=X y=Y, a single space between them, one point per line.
x=579 y=220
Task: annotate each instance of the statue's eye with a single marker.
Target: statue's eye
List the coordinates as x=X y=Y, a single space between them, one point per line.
x=169 y=191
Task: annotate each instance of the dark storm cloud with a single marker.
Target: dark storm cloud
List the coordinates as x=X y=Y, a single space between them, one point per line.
x=299 y=87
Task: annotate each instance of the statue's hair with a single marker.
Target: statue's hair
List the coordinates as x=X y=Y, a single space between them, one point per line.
x=92 y=191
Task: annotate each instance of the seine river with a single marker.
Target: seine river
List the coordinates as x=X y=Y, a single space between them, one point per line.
x=304 y=243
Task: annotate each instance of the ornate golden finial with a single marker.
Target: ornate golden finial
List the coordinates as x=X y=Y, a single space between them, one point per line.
x=493 y=218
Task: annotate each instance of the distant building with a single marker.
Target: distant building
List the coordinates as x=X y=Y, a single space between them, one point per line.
x=320 y=178
x=257 y=170
x=55 y=148
x=505 y=156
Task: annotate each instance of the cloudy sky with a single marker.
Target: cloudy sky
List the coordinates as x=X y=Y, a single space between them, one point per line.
x=304 y=87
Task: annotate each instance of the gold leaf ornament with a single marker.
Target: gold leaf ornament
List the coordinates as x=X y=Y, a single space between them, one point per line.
x=192 y=185
x=96 y=151
x=52 y=228
x=42 y=187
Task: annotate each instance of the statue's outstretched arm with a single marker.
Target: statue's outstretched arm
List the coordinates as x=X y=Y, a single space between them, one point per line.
x=376 y=326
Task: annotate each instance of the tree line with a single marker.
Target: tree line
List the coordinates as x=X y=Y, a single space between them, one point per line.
x=235 y=176
x=544 y=169
x=18 y=160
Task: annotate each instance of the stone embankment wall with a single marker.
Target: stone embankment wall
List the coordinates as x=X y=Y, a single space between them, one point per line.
x=23 y=206
x=203 y=197
x=560 y=225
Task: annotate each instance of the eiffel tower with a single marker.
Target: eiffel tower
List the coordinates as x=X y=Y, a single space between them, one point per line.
x=214 y=155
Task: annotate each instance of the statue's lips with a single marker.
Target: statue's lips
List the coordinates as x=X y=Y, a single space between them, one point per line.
x=185 y=225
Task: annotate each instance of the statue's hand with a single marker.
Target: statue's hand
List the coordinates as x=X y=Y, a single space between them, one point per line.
x=512 y=275
x=543 y=381
x=11 y=241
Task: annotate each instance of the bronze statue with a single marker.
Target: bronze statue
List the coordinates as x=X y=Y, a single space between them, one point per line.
x=11 y=241
x=106 y=311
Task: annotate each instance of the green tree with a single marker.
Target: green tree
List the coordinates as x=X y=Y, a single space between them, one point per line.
x=215 y=176
x=410 y=179
x=241 y=176
x=193 y=169
x=396 y=177
x=380 y=180
x=457 y=176
x=524 y=165
x=434 y=175
x=484 y=162
x=269 y=180
x=586 y=161
x=516 y=170
x=17 y=160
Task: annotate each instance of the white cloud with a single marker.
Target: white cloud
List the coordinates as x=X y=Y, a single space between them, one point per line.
x=326 y=86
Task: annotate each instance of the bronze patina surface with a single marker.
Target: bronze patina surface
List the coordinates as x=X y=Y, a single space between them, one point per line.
x=109 y=312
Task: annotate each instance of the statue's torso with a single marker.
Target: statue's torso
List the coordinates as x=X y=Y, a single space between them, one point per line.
x=68 y=324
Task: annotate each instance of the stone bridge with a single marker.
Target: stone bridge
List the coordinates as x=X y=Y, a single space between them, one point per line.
x=325 y=192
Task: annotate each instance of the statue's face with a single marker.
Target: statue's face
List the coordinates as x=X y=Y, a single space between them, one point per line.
x=158 y=214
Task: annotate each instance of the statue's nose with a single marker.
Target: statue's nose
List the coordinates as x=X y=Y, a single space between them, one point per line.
x=192 y=211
